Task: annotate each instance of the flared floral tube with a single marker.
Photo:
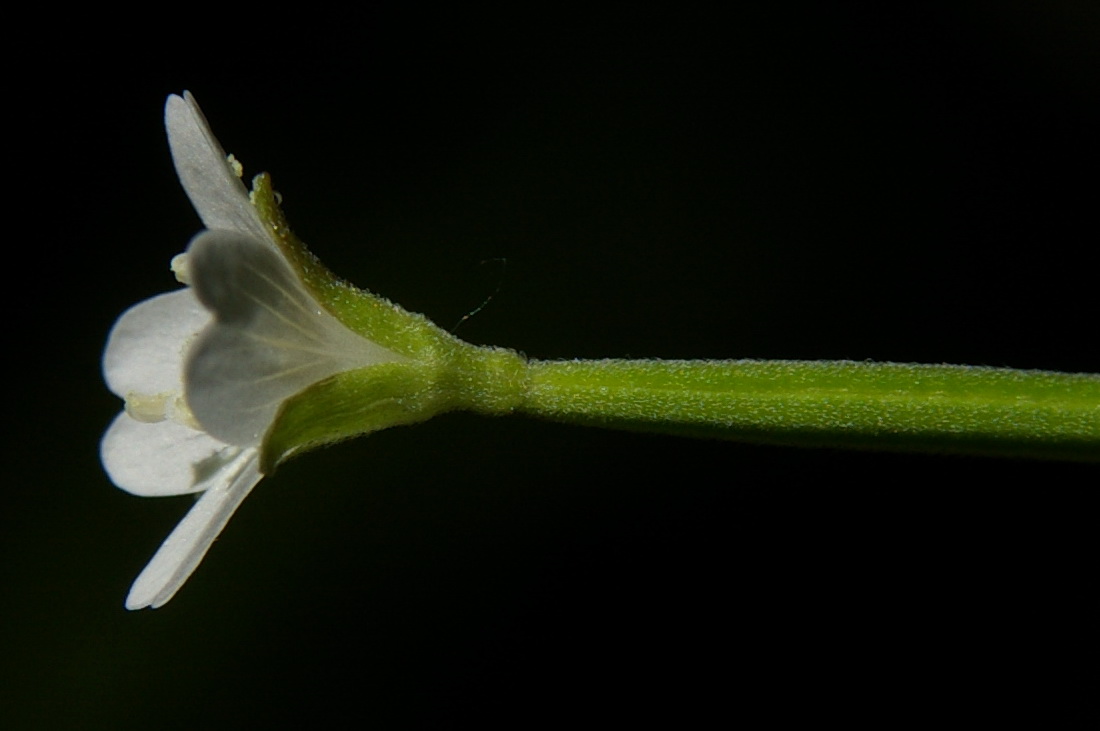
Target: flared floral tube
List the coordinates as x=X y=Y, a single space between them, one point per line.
x=269 y=339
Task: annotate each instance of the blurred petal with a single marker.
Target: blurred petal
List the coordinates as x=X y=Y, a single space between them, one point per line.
x=145 y=349
x=164 y=458
x=185 y=547
x=270 y=339
x=218 y=195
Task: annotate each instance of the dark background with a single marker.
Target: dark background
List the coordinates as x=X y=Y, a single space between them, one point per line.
x=822 y=182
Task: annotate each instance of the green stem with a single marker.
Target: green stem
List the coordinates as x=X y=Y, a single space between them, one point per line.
x=937 y=408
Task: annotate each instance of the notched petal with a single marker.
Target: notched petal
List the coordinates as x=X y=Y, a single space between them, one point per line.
x=146 y=347
x=269 y=340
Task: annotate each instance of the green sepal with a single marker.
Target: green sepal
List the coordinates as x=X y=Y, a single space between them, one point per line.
x=353 y=403
x=440 y=372
x=350 y=404
x=373 y=317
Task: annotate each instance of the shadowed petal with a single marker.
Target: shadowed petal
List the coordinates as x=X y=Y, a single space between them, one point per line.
x=164 y=458
x=269 y=339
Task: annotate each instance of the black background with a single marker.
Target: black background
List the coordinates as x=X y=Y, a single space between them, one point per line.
x=798 y=182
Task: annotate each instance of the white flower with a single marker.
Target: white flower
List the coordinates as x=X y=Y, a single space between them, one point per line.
x=204 y=370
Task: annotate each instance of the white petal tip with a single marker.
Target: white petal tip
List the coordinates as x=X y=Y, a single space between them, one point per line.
x=210 y=181
x=181 y=552
x=134 y=603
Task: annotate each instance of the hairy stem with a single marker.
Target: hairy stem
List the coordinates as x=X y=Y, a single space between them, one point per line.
x=935 y=408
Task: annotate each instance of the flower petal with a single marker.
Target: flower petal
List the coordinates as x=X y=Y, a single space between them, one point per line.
x=218 y=195
x=270 y=339
x=163 y=458
x=146 y=346
x=185 y=547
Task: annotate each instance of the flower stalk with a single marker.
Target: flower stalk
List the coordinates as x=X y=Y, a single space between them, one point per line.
x=846 y=404
x=266 y=354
